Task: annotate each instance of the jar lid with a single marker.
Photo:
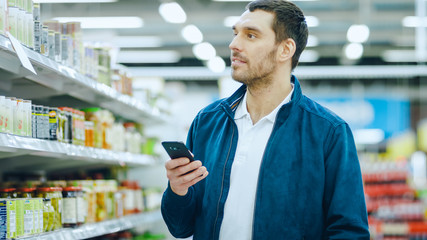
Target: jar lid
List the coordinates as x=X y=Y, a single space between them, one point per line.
x=27 y=190
x=72 y=189
x=46 y=189
x=5 y=190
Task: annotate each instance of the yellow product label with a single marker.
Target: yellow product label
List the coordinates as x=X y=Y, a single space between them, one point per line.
x=36 y=220
x=40 y=201
x=28 y=217
x=19 y=217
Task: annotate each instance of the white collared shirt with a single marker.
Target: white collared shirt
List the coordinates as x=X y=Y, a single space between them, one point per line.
x=240 y=203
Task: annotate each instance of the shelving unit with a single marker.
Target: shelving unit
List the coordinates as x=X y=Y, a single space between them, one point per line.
x=101 y=228
x=56 y=85
x=51 y=155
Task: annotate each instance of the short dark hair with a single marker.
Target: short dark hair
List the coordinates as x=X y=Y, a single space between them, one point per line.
x=289 y=22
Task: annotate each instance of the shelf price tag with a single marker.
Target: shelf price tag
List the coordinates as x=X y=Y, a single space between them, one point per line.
x=21 y=53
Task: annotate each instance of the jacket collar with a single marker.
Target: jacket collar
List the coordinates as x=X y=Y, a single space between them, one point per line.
x=230 y=104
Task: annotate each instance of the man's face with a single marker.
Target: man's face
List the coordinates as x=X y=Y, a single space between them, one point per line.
x=253 y=48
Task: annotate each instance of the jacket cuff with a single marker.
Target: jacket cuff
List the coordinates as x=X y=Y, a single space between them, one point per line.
x=179 y=201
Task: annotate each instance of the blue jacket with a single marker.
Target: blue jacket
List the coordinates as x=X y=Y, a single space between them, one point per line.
x=309 y=186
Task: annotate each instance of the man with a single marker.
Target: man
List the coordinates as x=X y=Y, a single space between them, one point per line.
x=280 y=165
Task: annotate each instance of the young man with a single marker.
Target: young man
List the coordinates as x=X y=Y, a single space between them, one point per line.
x=280 y=165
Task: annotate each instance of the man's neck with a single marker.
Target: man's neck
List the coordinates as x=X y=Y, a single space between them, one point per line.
x=262 y=101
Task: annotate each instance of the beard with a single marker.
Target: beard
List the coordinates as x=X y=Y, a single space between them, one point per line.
x=257 y=75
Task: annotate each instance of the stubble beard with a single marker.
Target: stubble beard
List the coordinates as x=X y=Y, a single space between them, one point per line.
x=260 y=75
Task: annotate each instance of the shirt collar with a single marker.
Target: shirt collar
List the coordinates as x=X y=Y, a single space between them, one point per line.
x=242 y=110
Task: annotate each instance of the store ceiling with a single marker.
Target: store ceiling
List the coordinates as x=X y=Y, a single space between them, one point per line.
x=383 y=17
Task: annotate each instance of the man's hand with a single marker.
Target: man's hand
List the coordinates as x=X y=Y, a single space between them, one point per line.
x=180 y=177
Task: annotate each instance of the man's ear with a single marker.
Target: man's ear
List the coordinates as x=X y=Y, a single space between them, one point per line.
x=286 y=49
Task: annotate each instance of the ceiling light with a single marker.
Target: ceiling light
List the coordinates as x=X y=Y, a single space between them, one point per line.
x=412 y=21
x=358 y=33
x=401 y=56
x=74 y=1
x=312 y=41
x=104 y=22
x=353 y=51
x=312 y=21
x=137 y=41
x=192 y=34
x=172 y=12
x=231 y=20
x=148 y=57
x=368 y=136
x=216 y=64
x=204 y=51
x=309 y=56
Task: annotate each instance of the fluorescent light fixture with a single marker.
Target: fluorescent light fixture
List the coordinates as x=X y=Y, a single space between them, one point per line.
x=216 y=64
x=252 y=0
x=231 y=20
x=412 y=21
x=309 y=56
x=148 y=57
x=401 y=56
x=172 y=12
x=368 y=136
x=104 y=22
x=312 y=41
x=358 y=33
x=312 y=21
x=192 y=34
x=74 y=1
x=137 y=41
x=353 y=51
x=204 y=51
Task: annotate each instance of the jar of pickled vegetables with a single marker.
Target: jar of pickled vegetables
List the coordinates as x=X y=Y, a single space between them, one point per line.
x=48 y=215
x=55 y=196
x=26 y=192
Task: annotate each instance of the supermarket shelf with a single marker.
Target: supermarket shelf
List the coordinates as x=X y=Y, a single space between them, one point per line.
x=98 y=229
x=54 y=80
x=43 y=155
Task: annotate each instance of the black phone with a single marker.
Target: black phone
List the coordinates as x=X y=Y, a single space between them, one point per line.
x=177 y=149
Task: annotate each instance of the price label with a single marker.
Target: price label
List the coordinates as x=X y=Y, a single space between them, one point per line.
x=21 y=53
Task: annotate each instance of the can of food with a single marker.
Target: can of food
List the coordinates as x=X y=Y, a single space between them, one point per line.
x=53 y=123
x=37 y=36
x=33 y=121
x=46 y=122
x=36 y=11
x=39 y=122
x=45 y=41
x=51 y=44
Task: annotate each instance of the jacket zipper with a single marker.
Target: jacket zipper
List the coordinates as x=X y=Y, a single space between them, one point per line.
x=259 y=172
x=222 y=183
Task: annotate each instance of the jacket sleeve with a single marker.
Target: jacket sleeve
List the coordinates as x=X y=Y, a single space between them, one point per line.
x=344 y=201
x=179 y=211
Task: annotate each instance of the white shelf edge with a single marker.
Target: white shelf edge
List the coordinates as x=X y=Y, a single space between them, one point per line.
x=12 y=143
x=101 y=228
x=140 y=110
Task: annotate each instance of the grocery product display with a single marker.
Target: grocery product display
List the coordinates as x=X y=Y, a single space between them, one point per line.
x=85 y=135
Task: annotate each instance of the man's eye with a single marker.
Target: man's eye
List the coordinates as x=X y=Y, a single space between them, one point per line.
x=251 y=36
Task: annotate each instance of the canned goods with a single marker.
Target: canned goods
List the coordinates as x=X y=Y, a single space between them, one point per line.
x=53 y=123
x=45 y=41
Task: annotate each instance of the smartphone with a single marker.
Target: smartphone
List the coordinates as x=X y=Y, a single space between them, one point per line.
x=177 y=149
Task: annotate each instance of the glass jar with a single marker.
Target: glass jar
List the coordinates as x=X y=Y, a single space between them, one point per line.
x=48 y=210
x=57 y=205
x=7 y=193
x=72 y=212
x=26 y=192
x=48 y=215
